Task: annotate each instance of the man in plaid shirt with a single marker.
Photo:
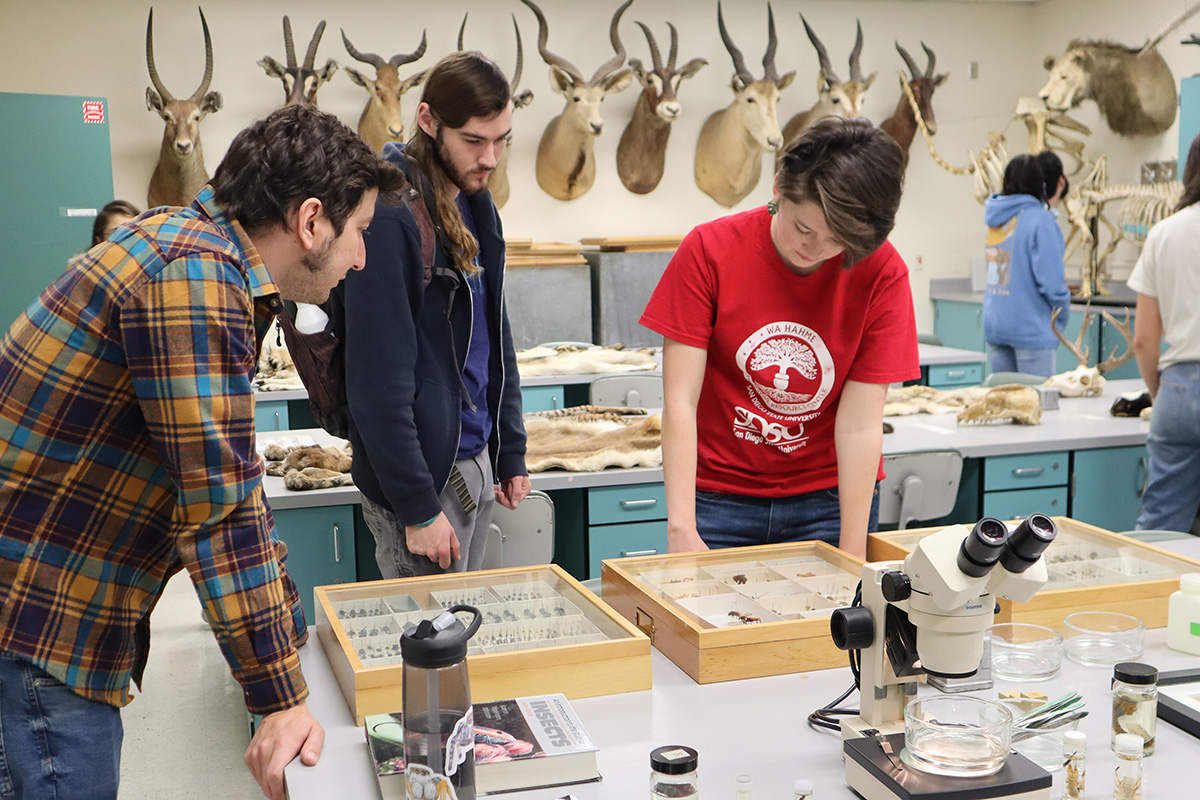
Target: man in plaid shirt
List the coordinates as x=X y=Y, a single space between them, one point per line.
x=127 y=454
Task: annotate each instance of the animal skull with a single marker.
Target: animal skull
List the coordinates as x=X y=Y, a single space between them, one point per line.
x=1079 y=382
x=1011 y=401
x=1085 y=381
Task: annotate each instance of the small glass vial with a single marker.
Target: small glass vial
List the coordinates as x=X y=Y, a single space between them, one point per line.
x=1135 y=702
x=1127 y=777
x=744 y=787
x=673 y=772
x=1183 y=615
x=803 y=789
x=1075 y=764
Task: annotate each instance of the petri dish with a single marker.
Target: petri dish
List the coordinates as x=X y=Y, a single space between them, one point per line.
x=956 y=735
x=1103 y=638
x=1024 y=652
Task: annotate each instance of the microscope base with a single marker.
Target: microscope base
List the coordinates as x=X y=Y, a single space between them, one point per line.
x=872 y=776
x=853 y=727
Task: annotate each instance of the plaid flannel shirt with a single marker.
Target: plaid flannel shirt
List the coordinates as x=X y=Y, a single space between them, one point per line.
x=127 y=454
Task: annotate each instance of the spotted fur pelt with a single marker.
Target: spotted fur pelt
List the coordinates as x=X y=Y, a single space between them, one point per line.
x=311 y=467
x=577 y=360
x=276 y=371
x=591 y=438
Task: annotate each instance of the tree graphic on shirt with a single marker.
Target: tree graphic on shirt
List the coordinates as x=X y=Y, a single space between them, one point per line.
x=785 y=354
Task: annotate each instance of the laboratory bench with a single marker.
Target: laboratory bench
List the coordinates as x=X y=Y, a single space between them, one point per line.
x=755 y=726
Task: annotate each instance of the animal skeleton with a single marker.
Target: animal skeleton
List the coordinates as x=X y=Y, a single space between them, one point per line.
x=590 y=438
x=642 y=151
x=1085 y=381
x=1010 y=401
x=731 y=144
x=902 y=124
x=300 y=83
x=180 y=172
x=566 y=160
x=381 y=121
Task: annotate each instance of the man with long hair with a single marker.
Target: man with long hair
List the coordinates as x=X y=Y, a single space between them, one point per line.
x=431 y=374
x=127 y=454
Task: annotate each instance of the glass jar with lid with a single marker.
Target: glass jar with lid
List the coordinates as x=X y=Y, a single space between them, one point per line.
x=1135 y=702
x=673 y=773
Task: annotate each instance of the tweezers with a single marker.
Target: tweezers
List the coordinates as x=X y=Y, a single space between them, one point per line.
x=885 y=746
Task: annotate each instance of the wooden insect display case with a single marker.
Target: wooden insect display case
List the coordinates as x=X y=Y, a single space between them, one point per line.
x=1089 y=568
x=741 y=612
x=542 y=632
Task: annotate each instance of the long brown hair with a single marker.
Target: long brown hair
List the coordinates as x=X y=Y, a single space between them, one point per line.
x=1191 y=177
x=461 y=86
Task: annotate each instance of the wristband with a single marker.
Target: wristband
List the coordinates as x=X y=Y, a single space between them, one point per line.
x=424 y=524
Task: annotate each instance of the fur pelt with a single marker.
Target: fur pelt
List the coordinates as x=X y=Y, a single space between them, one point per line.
x=276 y=371
x=310 y=467
x=575 y=360
x=590 y=438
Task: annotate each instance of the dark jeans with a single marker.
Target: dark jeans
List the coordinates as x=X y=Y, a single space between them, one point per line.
x=733 y=520
x=54 y=744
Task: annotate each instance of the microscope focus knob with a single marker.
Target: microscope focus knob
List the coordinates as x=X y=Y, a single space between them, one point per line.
x=852 y=628
x=896 y=586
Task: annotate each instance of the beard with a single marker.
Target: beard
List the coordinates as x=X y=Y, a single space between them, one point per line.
x=318 y=259
x=457 y=177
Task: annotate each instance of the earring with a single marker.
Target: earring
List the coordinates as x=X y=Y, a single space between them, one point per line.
x=773 y=207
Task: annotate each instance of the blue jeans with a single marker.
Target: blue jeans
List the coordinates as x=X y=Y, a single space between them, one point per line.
x=1030 y=360
x=54 y=744
x=1173 y=490
x=734 y=520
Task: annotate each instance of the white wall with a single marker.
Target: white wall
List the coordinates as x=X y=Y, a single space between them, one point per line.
x=53 y=46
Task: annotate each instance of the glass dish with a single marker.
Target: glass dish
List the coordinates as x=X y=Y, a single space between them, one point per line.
x=1022 y=652
x=1103 y=638
x=956 y=735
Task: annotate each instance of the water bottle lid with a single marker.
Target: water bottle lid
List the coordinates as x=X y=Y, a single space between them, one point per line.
x=1189 y=582
x=439 y=642
x=1135 y=673
x=803 y=786
x=674 y=759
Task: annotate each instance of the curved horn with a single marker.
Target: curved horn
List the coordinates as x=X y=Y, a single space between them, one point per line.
x=769 y=72
x=401 y=58
x=614 y=63
x=158 y=84
x=551 y=58
x=288 y=44
x=374 y=60
x=826 y=67
x=739 y=63
x=674 y=47
x=855 y=72
x=655 y=56
x=311 y=56
x=207 y=79
x=516 y=79
x=932 y=60
x=913 y=72
x=461 y=29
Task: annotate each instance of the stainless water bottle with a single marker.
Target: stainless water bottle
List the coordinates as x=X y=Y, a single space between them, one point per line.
x=439 y=727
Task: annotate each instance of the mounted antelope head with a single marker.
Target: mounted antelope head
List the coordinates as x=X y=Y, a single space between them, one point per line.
x=1085 y=381
x=729 y=150
x=381 y=120
x=566 y=161
x=180 y=171
x=300 y=83
x=835 y=97
x=902 y=124
x=498 y=184
x=642 y=152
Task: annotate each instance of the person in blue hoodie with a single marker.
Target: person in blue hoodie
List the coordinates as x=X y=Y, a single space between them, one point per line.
x=1025 y=273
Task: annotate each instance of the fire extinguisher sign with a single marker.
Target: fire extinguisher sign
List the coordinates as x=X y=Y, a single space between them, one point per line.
x=93 y=111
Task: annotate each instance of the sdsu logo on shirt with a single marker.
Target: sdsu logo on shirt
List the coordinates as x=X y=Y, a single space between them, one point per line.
x=789 y=372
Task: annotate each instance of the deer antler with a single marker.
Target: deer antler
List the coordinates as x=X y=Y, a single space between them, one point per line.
x=912 y=65
x=1076 y=347
x=855 y=70
x=1113 y=361
x=769 y=72
x=552 y=59
x=739 y=63
x=158 y=84
x=311 y=56
x=614 y=63
x=826 y=67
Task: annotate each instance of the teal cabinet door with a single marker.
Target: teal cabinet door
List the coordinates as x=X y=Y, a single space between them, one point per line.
x=959 y=324
x=320 y=544
x=634 y=503
x=1111 y=340
x=1020 y=503
x=954 y=376
x=271 y=416
x=1108 y=486
x=542 y=398
x=625 y=541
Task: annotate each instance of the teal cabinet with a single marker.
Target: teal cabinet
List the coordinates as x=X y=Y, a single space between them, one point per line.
x=1026 y=483
x=542 y=398
x=1189 y=117
x=624 y=541
x=1108 y=486
x=1020 y=503
x=602 y=522
x=953 y=376
x=636 y=503
x=271 y=416
x=959 y=324
x=1112 y=341
x=320 y=542
x=1065 y=360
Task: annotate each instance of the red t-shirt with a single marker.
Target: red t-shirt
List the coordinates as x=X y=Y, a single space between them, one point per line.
x=780 y=347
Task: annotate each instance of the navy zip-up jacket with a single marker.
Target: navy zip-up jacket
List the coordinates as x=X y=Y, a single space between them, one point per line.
x=405 y=345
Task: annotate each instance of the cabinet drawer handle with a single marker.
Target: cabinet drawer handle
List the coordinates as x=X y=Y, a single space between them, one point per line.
x=956 y=373
x=554 y=402
x=650 y=503
x=1028 y=472
x=337 y=551
x=1144 y=469
x=632 y=553
x=277 y=420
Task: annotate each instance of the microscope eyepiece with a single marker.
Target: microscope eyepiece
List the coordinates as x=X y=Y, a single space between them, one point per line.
x=981 y=549
x=1028 y=542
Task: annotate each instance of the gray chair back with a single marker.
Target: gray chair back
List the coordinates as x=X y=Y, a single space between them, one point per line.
x=523 y=537
x=628 y=391
x=919 y=486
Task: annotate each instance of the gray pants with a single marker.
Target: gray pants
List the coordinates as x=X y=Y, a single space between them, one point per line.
x=471 y=528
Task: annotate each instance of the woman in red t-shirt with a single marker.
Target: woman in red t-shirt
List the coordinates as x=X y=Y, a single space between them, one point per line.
x=783 y=327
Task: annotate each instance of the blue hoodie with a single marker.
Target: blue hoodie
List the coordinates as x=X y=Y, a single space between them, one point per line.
x=1025 y=272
